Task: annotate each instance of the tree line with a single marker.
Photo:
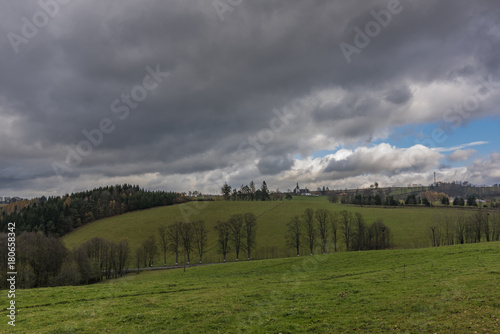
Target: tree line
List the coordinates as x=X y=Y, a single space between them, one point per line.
x=459 y=228
x=238 y=234
x=429 y=197
x=322 y=226
x=251 y=193
x=44 y=261
x=426 y=198
x=365 y=199
x=60 y=215
x=179 y=238
x=191 y=238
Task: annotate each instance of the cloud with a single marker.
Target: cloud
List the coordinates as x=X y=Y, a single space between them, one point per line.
x=226 y=78
x=274 y=165
x=460 y=147
x=399 y=95
x=461 y=155
x=382 y=159
x=485 y=171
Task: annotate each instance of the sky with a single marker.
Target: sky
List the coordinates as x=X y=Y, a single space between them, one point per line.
x=187 y=95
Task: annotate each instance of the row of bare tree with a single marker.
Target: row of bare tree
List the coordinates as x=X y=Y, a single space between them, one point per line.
x=44 y=261
x=458 y=227
x=184 y=238
x=176 y=238
x=238 y=232
x=324 y=225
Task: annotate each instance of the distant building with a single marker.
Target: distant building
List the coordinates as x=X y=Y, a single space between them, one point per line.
x=301 y=192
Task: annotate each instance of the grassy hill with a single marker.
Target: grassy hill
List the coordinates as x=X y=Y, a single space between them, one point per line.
x=451 y=289
x=409 y=224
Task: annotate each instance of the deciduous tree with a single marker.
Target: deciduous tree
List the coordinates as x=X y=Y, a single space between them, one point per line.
x=200 y=237
x=187 y=239
x=223 y=231
x=310 y=229
x=250 y=232
x=236 y=226
x=346 y=227
x=323 y=218
x=293 y=236
x=174 y=239
x=163 y=241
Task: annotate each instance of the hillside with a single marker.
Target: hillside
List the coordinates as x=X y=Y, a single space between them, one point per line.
x=60 y=215
x=451 y=289
x=408 y=224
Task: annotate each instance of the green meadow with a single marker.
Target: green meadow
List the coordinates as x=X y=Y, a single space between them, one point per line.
x=409 y=225
x=454 y=289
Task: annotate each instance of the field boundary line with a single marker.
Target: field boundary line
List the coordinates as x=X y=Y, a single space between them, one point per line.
x=272 y=208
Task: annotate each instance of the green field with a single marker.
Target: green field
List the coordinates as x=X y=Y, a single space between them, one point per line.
x=408 y=224
x=454 y=289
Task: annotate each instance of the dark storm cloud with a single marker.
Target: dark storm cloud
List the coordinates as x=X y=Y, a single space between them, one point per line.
x=272 y=165
x=399 y=95
x=225 y=79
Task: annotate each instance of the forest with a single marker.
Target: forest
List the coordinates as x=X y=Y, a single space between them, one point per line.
x=60 y=215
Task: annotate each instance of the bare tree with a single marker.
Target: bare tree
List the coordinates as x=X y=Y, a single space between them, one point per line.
x=123 y=257
x=200 y=237
x=495 y=226
x=346 y=226
x=223 y=231
x=97 y=250
x=486 y=227
x=41 y=257
x=459 y=227
x=449 y=229
x=111 y=262
x=378 y=235
x=163 y=240
x=323 y=218
x=174 y=239
x=293 y=236
x=478 y=221
x=310 y=229
x=236 y=226
x=359 y=231
x=470 y=232
x=250 y=232
x=150 y=250
x=334 y=223
x=187 y=239
x=140 y=257
x=435 y=229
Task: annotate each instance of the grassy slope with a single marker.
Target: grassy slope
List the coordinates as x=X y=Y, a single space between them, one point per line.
x=452 y=289
x=408 y=224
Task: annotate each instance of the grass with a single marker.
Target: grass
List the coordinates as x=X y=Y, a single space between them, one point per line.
x=451 y=289
x=408 y=224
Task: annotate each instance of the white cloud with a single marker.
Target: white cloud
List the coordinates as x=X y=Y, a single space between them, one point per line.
x=461 y=155
x=485 y=171
x=459 y=147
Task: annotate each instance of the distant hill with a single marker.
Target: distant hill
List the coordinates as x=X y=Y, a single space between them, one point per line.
x=452 y=189
x=409 y=225
x=60 y=215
